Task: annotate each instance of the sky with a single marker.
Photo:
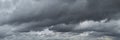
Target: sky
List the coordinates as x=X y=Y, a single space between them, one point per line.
x=99 y=19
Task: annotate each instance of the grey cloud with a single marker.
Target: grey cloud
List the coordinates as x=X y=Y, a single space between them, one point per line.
x=63 y=12
x=110 y=29
x=50 y=35
x=63 y=27
x=49 y=13
x=102 y=28
x=39 y=14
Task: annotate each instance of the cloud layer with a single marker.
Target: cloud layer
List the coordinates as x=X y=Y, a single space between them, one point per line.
x=76 y=16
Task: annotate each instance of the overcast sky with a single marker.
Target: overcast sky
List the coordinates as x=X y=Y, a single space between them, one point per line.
x=98 y=18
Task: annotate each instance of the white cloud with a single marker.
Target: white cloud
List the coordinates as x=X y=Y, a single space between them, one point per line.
x=50 y=35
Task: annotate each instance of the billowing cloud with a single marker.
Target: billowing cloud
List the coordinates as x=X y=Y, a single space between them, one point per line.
x=61 y=11
x=50 y=35
x=60 y=15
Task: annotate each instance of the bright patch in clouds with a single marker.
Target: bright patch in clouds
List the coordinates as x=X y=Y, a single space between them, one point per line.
x=50 y=35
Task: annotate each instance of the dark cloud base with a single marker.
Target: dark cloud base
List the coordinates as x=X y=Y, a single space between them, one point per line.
x=63 y=16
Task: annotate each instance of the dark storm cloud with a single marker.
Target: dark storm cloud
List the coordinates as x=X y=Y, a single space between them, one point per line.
x=111 y=28
x=98 y=29
x=63 y=27
x=66 y=11
x=39 y=14
x=49 y=13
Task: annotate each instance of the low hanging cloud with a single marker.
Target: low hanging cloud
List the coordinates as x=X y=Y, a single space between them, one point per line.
x=110 y=28
x=67 y=11
x=62 y=16
x=101 y=28
x=50 y=35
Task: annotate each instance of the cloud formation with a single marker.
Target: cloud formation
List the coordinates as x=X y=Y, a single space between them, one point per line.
x=50 y=35
x=61 y=11
x=61 y=15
